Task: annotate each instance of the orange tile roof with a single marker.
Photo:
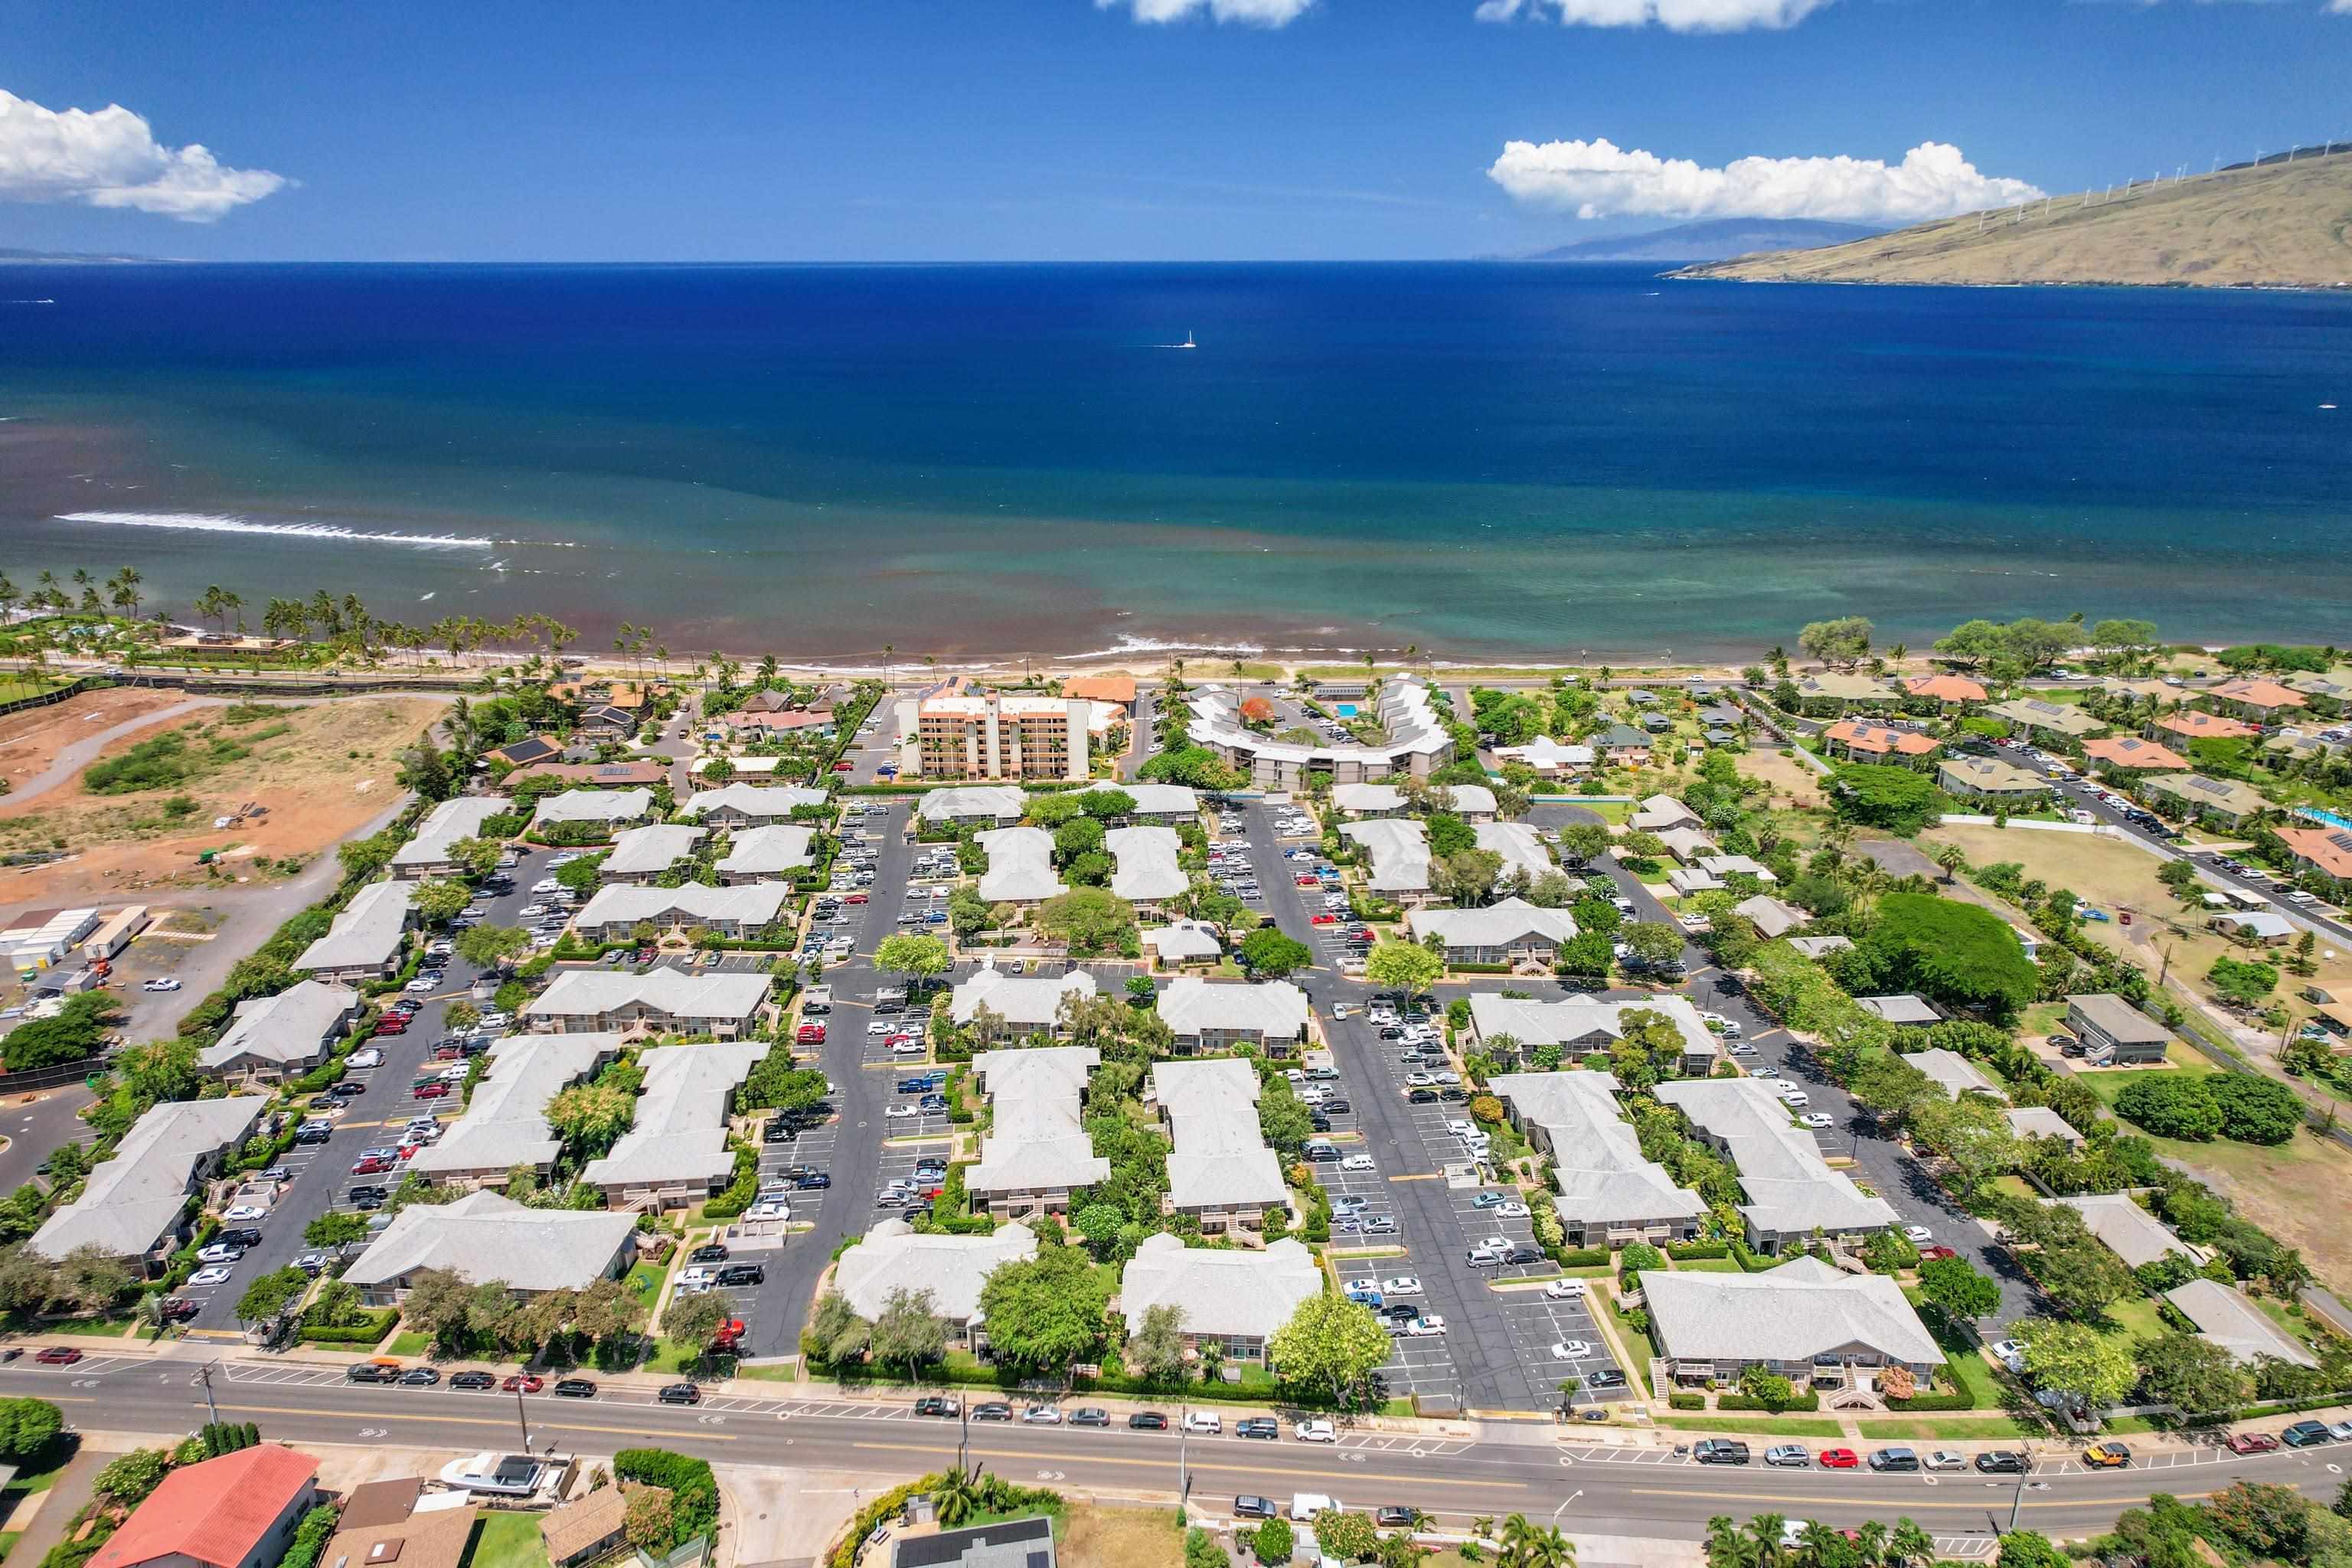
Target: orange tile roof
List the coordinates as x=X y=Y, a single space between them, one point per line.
x=2197 y=724
x=1880 y=739
x=214 y=1512
x=1945 y=688
x=2330 y=849
x=2131 y=752
x=1118 y=688
x=2259 y=694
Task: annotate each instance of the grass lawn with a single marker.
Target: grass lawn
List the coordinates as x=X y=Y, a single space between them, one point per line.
x=1977 y=1377
x=2139 y=1316
x=1099 y=1537
x=646 y=1280
x=1637 y=1346
x=769 y=1374
x=1708 y=1266
x=508 y=1540
x=52 y=1465
x=8 y=1542
x=2108 y=1083
x=1765 y=1425
x=15 y=686
x=408 y=1341
x=1959 y=1428
x=110 y=1328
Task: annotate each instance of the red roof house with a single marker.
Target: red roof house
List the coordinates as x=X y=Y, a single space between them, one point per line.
x=239 y=1511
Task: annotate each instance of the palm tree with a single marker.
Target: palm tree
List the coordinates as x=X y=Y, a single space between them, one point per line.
x=1819 y=1541
x=1895 y=654
x=1951 y=857
x=1529 y=1546
x=1909 y=1544
x=953 y=1498
x=1727 y=1545
x=1869 y=1542
x=1764 y=1539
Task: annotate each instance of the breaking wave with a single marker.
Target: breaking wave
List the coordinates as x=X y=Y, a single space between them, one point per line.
x=213 y=522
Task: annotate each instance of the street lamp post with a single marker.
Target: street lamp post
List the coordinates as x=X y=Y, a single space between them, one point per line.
x=1184 y=1444
x=2018 y=1500
x=522 y=1416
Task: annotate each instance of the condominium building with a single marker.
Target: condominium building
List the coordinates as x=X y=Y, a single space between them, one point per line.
x=996 y=736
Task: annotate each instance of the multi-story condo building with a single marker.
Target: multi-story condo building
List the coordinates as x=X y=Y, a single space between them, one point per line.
x=994 y=736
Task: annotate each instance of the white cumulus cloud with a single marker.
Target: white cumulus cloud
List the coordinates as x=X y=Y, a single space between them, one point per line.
x=111 y=159
x=1676 y=16
x=1251 y=13
x=1598 y=179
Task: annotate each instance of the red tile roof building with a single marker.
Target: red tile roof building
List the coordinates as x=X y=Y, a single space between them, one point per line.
x=2196 y=726
x=2131 y=752
x=2327 y=850
x=1945 y=688
x=1859 y=737
x=2256 y=698
x=239 y=1511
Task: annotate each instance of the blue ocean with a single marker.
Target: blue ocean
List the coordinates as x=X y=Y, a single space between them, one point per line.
x=1489 y=461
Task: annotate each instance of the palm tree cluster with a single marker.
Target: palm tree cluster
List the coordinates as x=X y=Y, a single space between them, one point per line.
x=1764 y=1542
x=1523 y=1543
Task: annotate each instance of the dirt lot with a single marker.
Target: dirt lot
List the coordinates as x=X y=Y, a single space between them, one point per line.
x=1108 y=1535
x=30 y=740
x=1791 y=782
x=321 y=771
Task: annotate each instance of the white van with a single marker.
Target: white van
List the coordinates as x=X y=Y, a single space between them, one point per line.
x=1306 y=1505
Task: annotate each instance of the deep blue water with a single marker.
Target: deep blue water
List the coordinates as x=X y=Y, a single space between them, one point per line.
x=1530 y=461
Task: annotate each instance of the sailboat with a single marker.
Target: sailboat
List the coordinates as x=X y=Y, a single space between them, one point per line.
x=1188 y=342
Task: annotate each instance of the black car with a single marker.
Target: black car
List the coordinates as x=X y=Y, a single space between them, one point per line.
x=245 y=1237
x=419 y=1377
x=1452 y=1092
x=2007 y=1462
x=1319 y=1121
x=1147 y=1421
x=576 y=1388
x=993 y=1410
x=1264 y=1428
x=932 y=1404
x=1089 y=1415
x=1337 y=1107
x=1422 y=1097
x=1606 y=1378
x=472 y=1380
x=348 y=1089
x=1719 y=1451
x=367 y=1203
x=743 y=1274
x=813 y=1181
x=714 y=1253
x=1402 y=1313
x=780 y=1131
x=1248 y=1506
x=312 y=1134
x=369 y=1372
x=679 y=1393
x=1394 y=1516
x=1524 y=1253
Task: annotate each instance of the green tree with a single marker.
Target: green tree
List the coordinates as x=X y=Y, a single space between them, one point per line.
x=2255 y=1109
x=1330 y=1341
x=1045 y=1312
x=337 y=1229
x=1273 y=1542
x=836 y=1331
x=1654 y=942
x=2170 y=1105
x=591 y=1117
x=1403 y=966
x=489 y=946
x=581 y=876
x=1900 y=800
x=1271 y=955
x=912 y=956
x=160 y=1070
x=2193 y=1373
x=2083 y=1279
x=1283 y=1118
x=1349 y=1537
x=2243 y=983
x=1972 y=1135
x=1955 y=953
x=476 y=857
x=271 y=1294
x=1156 y=1348
x=1845 y=641
x=2077 y=1359
x=691 y=1319
x=1093 y=921
x=2181 y=878
x=129 y=1478
x=440 y=900
x=910 y=1332
x=27 y=1428
x=1958 y=1289
x=2026 y=1548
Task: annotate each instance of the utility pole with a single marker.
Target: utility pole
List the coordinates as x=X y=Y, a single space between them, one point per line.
x=2018 y=1501
x=963 y=1441
x=1184 y=1445
x=522 y=1416
x=205 y=1376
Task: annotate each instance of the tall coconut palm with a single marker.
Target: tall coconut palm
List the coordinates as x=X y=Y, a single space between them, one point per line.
x=1909 y=1544
x=954 y=1497
x=1727 y=1545
x=1764 y=1540
x=1819 y=1541
x=1869 y=1542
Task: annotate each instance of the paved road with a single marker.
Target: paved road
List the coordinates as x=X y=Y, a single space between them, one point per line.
x=1535 y=1470
x=76 y=755
x=53 y=1117
x=322 y=1179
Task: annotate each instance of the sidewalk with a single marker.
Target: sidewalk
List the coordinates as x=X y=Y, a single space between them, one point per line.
x=50 y=1511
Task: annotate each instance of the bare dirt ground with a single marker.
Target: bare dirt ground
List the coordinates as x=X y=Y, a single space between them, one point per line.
x=30 y=740
x=1792 y=782
x=322 y=770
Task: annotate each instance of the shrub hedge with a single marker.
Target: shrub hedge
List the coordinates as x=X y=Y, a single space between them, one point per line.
x=693 y=1490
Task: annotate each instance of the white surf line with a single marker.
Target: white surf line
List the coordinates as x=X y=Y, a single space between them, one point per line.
x=213 y=522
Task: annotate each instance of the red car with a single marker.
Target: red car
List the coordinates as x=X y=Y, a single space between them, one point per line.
x=59 y=1355
x=523 y=1382
x=855 y=899
x=2252 y=1443
x=1931 y=1254
x=371 y=1167
x=1323 y=920
x=845 y=766
x=1309 y=881
x=430 y=1091
x=893 y=1041
x=1838 y=1460
x=726 y=1337
x=408 y=1151
x=392 y=1024
x=810 y=1035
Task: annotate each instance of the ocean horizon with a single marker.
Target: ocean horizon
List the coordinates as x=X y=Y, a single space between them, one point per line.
x=1495 y=461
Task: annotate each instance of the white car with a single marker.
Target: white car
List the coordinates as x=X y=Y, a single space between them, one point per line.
x=1357 y=1163
x=1571 y=1350
x=1917 y=1235
x=1424 y=1081
x=420 y=986
x=2010 y=1350
x=165 y=985
x=701 y=1277
x=902 y=1112
x=246 y=1212
x=882 y=1026
x=772 y=1209
x=220 y=1252
x=1354 y=1284
x=1402 y=1285
x=210 y=1276
x=1565 y=1290
x=1425 y=1326
x=909 y=1048
x=1317 y=1432
x=1201 y=1421
x=1816 y=1119
x=1509 y=1211
x=371 y=1057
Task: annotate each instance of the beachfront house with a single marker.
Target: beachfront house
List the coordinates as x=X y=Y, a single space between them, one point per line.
x=2035 y=716
x=2256 y=701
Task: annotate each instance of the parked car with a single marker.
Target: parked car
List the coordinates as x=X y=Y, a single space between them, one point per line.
x=1248 y=1506
x=2305 y=1435
x=1316 y=1431
x=1147 y=1421
x=473 y=1379
x=2253 y=1442
x=991 y=1410
x=57 y=1355
x=575 y=1388
x=1789 y=1457
x=1719 y=1451
x=2106 y=1456
x=679 y=1393
x=1264 y=1428
x=933 y=1405
x=1089 y=1415
x=372 y=1372
x=2004 y=1462
x=523 y=1382
x=1203 y=1421
x=420 y=1377
x=1895 y=1459
x=1842 y=1459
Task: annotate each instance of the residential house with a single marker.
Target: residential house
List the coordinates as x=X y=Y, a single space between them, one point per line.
x=2256 y=701
x=1906 y=1011
x=281 y=1036
x=2193 y=724
x=1727 y=866
x=1180 y=942
x=1215 y=1016
x=1037 y=1150
x=2041 y=1121
x=764 y=853
x=814 y=721
x=1551 y=757
x=1953 y=1073
x=1362 y=800
x=741 y=805
x=646 y=854
x=1417 y=742
x=2038 y=715
x=2226 y=1318
x=893 y=1258
x=1399 y=847
x=587 y=1527
x=589 y=776
x=398 y=1522
x=1609 y=1193
x=2259 y=927
x=2130 y=755
x=2324 y=853
x=1688 y=844
x=1989 y=779
x=1513 y=932
x=239 y=1511
x=1520 y=845
x=1113 y=687
x=660 y=1000
x=1830 y=687
x=526 y=753
x=1864 y=740
x=1238 y=1298
x=1219 y=1168
x=1020 y=866
x=675 y=1153
x=1163 y=803
x=611 y=809
x=1002 y=805
x=427 y=853
x=738 y=912
x=487 y=1237
x=1688 y=879
x=1951 y=690
x=1018 y=1006
x=1471 y=803
x=1002 y=1543
x=2224 y=801
x=1819 y=947
x=1145 y=873
x=605 y=723
x=135 y=1204
x=1770 y=916
x=1660 y=813
x=2330 y=694
x=2107 y=1024
x=1508 y=1026
x=2129 y=1231
x=1792 y=1193
x=1624 y=746
x=503 y=1127
x=1804 y=1320
x=367 y=941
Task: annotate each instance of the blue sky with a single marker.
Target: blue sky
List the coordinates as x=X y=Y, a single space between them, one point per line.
x=1004 y=130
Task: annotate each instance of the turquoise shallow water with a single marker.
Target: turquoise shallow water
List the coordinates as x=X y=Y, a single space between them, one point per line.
x=1487 y=461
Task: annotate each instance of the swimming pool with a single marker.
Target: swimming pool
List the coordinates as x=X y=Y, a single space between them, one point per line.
x=1344 y=709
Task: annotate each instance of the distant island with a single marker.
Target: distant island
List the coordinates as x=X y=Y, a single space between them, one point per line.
x=2275 y=225
x=1712 y=240
x=13 y=253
